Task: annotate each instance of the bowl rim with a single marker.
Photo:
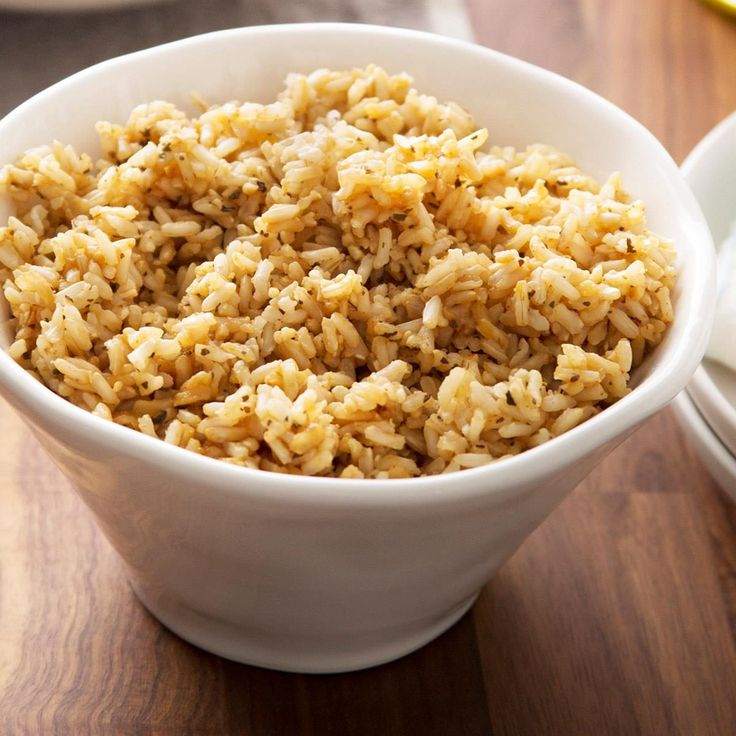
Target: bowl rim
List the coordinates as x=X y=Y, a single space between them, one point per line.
x=533 y=465
x=714 y=407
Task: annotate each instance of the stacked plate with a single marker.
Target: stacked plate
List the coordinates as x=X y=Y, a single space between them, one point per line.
x=706 y=410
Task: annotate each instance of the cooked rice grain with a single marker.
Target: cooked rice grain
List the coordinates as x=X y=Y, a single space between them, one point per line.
x=341 y=282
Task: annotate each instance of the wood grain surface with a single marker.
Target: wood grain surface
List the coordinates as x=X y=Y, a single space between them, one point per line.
x=616 y=617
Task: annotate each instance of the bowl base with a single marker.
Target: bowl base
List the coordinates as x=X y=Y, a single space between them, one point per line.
x=229 y=641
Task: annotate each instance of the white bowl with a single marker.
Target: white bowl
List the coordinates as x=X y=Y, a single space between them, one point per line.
x=710 y=170
x=315 y=574
x=721 y=464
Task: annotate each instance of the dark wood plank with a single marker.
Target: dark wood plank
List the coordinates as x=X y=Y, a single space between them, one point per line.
x=610 y=619
x=434 y=692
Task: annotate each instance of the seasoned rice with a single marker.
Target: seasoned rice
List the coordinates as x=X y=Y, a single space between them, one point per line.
x=343 y=282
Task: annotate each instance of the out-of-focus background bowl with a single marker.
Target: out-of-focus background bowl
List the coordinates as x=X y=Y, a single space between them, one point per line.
x=316 y=574
x=710 y=170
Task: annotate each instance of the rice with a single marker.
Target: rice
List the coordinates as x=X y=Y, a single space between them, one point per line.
x=342 y=282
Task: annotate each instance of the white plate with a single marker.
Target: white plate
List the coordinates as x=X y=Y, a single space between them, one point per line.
x=710 y=170
x=713 y=454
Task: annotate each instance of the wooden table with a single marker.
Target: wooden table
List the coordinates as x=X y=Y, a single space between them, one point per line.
x=616 y=617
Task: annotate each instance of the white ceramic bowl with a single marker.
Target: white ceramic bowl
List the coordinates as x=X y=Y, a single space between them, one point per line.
x=316 y=574
x=710 y=170
x=720 y=463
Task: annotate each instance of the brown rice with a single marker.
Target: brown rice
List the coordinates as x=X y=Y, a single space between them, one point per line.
x=342 y=282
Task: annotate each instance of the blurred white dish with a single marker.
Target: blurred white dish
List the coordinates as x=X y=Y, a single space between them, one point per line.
x=712 y=452
x=328 y=574
x=71 y=6
x=710 y=170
